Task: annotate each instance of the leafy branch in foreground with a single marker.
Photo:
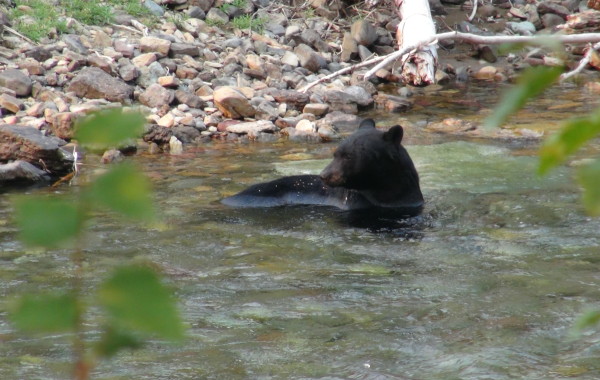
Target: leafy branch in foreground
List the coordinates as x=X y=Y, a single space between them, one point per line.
x=133 y=299
x=558 y=147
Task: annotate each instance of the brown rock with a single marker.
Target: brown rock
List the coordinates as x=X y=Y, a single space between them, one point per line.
x=32 y=66
x=392 y=103
x=486 y=73
x=363 y=32
x=93 y=83
x=232 y=103
x=16 y=81
x=144 y=60
x=157 y=96
x=317 y=109
x=28 y=144
x=100 y=62
x=166 y=121
x=190 y=99
x=10 y=103
x=254 y=62
x=155 y=45
x=292 y=98
x=349 y=48
x=186 y=72
x=62 y=124
x=309 y=59
x=127 y=71
x=178 y=48
x=168 y=81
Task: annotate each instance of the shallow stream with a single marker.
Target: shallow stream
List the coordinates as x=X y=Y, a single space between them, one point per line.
x=485 y=285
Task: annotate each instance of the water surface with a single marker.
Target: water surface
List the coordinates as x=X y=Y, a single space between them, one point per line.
x=485 y=285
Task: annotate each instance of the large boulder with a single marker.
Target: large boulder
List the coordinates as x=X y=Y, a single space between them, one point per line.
x=30 y=145
x=93 y=83
x=232 y=103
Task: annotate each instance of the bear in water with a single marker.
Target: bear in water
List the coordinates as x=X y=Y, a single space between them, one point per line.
x=370 y=170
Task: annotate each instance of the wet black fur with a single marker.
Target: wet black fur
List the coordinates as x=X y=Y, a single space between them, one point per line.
x=370 y=170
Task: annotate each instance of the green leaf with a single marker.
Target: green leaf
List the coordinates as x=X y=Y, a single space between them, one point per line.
x=533 y=82
x=47 y=222
x=588 y=319
x=113 y=341
x=125 y=190
x=109 y=128
x=574 y=134
x=46 y=312
x=136 y=299
x=589 y=178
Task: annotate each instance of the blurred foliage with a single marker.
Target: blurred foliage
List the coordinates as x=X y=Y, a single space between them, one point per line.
x=558 y=147
x=531 y=83
x=135 y=301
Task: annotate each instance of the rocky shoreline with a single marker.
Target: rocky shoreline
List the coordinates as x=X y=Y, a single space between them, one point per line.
x=200 y=79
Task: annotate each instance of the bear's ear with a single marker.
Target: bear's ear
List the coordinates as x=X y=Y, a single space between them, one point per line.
x=367 y=124
x=394 y=135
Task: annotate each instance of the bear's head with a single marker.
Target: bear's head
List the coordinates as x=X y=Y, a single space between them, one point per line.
x=375 y=161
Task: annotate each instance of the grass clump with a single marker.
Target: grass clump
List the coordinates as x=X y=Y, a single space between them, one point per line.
x=88 y=12
x=35 y=19
x=249 y=22
x=39 y=18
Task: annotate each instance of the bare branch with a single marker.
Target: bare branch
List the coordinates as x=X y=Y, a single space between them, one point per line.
x=464 y=37
x=582 y=64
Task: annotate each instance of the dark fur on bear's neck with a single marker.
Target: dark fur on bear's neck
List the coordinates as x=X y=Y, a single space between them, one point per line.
x=370 y=169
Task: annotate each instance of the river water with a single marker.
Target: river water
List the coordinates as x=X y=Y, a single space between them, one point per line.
x=486 y=284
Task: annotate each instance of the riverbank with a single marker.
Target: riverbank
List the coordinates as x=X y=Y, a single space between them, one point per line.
x=199 y=77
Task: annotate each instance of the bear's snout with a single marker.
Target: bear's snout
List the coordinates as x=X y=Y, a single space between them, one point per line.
x=332 y=177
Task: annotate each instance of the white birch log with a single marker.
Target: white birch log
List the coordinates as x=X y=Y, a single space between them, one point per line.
x=418 y=66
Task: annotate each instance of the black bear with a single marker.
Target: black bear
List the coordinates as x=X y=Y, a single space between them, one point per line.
x=370 y=170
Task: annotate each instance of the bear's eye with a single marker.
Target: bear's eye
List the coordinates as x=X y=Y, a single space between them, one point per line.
x=345 y=155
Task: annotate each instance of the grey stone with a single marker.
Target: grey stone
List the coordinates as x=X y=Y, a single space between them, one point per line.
x=524 y=28
x=309 y=59
x=93 y=83
x=189 y=99
x=252 y=128
x=17 y=81
x=28 y=144
x=18 y=171
x=363 y=32
x=150 y=74
x=157 y=96
x=73 y=42
x=185 y=134
x=217 y=16
x=178 y=48
x=154 y=8
x=196 y=12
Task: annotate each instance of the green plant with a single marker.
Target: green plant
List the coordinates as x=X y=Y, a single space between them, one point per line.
x=88 y=12
x=178 y=19
x=239 y=3
x=132 y=7
x=134 y=301
x=309 y=12
x=558 y=147
x=249 y=22
x=35 y=19
x=214 y=22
